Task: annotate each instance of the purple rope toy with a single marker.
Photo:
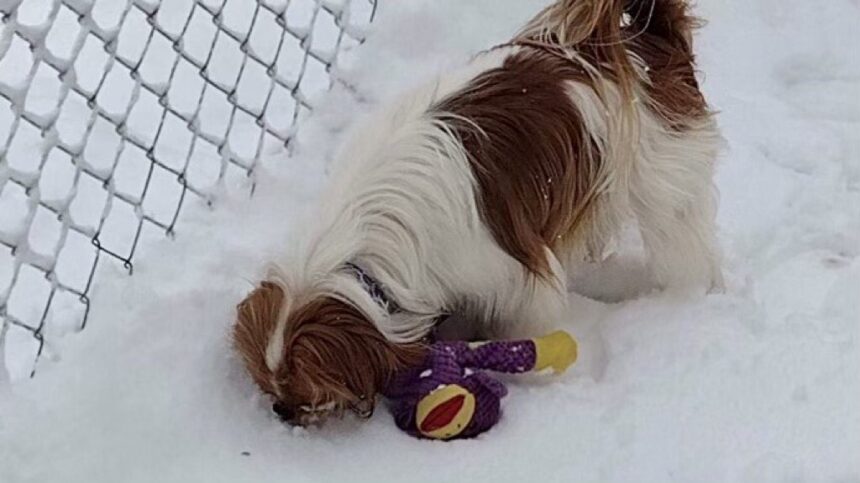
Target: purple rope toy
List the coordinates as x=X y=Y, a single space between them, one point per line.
x=450 y=396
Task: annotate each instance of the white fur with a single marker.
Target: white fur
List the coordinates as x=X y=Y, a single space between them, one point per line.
x=402 y=204
x=665 y=184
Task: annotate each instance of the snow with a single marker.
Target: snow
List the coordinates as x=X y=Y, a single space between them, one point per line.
x=759 y=384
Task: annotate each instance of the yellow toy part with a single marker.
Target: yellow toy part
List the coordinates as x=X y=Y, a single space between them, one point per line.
x=445 y=412
x=557 y=351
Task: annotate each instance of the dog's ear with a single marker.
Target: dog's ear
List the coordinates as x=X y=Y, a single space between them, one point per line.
x=256 y=318
x=261 y=304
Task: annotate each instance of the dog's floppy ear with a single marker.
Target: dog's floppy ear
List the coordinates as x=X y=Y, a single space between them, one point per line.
x=260 y=304
x=256 y=318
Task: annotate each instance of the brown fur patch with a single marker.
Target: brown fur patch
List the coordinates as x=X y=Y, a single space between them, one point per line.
x=534 y=165
x=657 y=31
x=255 y=321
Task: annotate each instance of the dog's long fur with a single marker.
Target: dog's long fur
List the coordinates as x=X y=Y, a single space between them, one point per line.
x=475 y=194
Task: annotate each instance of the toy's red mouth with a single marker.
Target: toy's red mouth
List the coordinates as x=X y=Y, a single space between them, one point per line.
x=443 y=414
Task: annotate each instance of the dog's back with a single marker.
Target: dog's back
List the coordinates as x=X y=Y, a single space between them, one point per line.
x=594 y=111
x=486 y=185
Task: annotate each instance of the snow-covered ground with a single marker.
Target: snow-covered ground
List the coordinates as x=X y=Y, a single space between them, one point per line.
x=759 y=384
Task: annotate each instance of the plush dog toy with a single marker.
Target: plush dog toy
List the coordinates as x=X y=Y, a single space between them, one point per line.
x=450 y=396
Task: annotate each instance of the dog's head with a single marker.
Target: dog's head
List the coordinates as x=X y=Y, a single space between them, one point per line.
x=315 y=357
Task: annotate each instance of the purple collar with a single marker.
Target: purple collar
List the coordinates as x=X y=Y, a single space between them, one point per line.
x=379 y=295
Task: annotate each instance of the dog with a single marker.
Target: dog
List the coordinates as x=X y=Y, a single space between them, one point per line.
x=478 y=193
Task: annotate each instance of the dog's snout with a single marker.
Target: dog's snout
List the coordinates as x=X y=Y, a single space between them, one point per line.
x=284 y=412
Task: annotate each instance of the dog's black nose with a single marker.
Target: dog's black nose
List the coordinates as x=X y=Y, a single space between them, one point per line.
x=283 y=411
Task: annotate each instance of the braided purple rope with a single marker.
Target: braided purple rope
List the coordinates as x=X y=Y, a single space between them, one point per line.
x=461 y=364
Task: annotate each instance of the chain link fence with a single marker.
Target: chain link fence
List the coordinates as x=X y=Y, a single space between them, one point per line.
x=114 y=112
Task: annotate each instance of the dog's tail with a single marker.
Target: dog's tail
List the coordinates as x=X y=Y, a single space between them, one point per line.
x=603 y=30
x=666 y=21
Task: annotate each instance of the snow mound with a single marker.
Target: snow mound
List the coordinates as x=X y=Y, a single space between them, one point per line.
x=759 y=384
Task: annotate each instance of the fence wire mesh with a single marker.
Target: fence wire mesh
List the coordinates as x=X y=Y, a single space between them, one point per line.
x=113 y=112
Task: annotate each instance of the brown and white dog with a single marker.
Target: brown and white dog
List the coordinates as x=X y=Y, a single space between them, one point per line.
x=476 y=195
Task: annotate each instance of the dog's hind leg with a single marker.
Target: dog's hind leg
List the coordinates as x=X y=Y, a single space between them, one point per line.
x=674 y=199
